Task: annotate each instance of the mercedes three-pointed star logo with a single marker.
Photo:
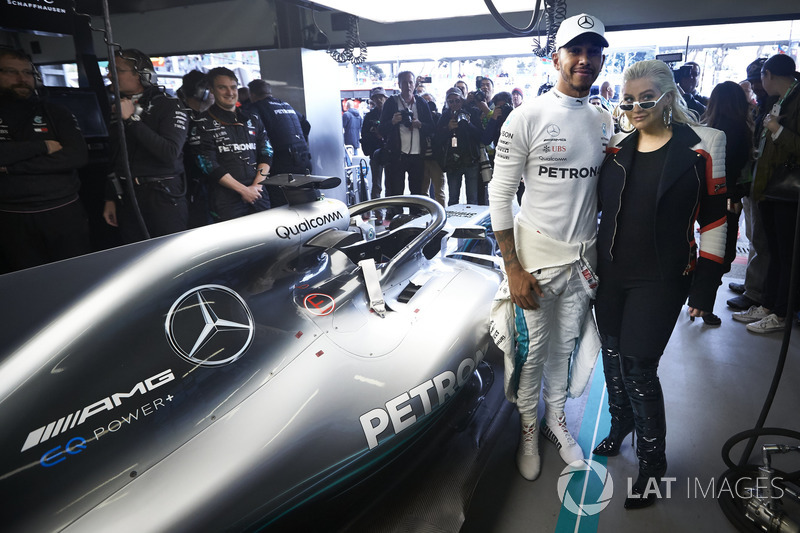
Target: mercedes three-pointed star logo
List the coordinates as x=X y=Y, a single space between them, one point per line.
x=553 y=130
x=210 y=326
x=586 y=22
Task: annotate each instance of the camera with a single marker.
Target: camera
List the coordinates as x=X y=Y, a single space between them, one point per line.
x=683 y=72
x=463 y=116
x=480 y=96
x=406 y=117
x=506 y=109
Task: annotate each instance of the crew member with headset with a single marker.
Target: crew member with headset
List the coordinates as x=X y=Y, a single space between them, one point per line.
x=155 y=131
x=41 y=146
x=197 y=98
x=285 y=133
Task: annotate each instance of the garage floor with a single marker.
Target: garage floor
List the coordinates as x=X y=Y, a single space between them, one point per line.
x=715 y=380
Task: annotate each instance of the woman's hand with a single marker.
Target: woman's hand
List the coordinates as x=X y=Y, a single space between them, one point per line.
x=695 y=313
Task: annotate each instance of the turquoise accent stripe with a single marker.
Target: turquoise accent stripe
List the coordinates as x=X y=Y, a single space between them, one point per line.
x=523 y=343
x=594 y=427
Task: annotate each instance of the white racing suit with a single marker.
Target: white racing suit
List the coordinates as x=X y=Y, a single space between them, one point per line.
x=556 y=144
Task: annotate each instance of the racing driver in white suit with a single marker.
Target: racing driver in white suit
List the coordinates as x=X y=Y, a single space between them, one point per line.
x=556 y=142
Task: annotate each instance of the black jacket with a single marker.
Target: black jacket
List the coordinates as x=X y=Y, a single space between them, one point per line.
x=691 y=189
x=371 y=139
x=34 y=180
x=229 y=142
x=155 y=142
x=468 y=136
x=738 y=151
x=285 y=134
x=225 y=142
x=391 y=132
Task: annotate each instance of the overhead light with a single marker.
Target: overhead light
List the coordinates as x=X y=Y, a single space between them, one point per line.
x=423 y=9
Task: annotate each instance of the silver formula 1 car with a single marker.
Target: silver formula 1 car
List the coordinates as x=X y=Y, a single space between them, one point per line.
x=226 y=378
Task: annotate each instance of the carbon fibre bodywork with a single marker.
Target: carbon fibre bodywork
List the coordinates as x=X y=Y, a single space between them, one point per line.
x=224 y=378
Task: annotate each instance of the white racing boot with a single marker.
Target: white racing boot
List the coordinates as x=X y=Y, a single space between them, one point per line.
x=555 y=429
x=528 y=461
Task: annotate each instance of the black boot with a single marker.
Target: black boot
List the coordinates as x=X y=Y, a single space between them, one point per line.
x=644 y=390
x=618 y=403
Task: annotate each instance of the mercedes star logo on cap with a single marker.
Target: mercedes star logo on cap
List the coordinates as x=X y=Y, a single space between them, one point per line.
x=210 y=326
x=586 y=22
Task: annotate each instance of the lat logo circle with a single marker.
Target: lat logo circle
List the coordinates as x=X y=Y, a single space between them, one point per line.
x=586 y=22
x=579 y=471
x=553 y=130
x=210 y=326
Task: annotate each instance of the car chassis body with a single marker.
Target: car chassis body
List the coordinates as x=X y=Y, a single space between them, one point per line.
x=222 y=379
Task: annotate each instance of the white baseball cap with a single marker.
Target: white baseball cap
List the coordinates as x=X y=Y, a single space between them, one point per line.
x=577 y=26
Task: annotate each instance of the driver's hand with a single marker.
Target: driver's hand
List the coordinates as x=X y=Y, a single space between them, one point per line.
x=523 y=285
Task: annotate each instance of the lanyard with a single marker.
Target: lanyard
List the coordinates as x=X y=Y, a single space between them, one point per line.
x=763 y=141
x=780 y=103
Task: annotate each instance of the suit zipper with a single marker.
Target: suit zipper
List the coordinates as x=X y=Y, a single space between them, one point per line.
x=619 y=207
x=692 y=220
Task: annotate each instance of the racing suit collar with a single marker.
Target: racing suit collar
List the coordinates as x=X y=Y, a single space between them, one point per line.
x=570 y=101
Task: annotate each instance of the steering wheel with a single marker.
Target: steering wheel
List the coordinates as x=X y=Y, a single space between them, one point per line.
x=439 y=218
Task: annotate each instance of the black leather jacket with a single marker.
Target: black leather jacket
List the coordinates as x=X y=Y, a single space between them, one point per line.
x=691 y=189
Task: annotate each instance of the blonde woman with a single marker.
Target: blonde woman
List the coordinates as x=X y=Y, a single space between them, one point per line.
x=657 y=180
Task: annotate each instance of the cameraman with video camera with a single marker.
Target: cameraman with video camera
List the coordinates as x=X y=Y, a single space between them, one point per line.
x=458 y=136
x=686 y=79
x=405 y=122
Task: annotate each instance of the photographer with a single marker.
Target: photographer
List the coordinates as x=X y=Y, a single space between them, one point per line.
x=501 y=107
x=372 y=143
x=458 y=135
x=405 y=121
x=483 y=98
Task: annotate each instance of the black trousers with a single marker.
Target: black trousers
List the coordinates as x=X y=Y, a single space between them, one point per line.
x=641 y=314
x=31 y=239
x=638 y=317
x=163 y=206
x=780 y=220
x=396 y=171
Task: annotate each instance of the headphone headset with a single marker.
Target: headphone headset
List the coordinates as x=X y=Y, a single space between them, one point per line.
x=201 y=91
x=141 y=65
x=197 y=89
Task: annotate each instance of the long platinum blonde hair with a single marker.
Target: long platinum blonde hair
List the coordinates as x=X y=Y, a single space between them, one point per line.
x=660 y=74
